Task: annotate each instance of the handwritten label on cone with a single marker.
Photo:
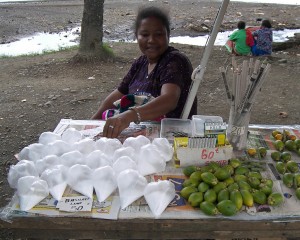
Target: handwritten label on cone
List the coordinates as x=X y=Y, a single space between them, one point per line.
x=238 y=130
x=75 y=204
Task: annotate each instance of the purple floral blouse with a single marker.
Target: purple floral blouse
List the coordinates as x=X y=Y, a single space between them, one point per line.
x=264 y=39
x=173 y=67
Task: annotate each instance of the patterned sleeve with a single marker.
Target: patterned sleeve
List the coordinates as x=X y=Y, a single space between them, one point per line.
x=255 y=33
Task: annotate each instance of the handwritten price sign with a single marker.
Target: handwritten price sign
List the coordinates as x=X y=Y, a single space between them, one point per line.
x=202 y=156
x=208 y=155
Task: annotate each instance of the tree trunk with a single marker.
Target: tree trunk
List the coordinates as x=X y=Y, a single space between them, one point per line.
x=91 y=45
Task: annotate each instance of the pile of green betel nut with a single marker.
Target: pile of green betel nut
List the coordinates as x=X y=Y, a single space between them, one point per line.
x=216 y=189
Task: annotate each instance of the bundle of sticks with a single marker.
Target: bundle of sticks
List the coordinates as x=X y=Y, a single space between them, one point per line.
x=247 y=80
x=246 y=83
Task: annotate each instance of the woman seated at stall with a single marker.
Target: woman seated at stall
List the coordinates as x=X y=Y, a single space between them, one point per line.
x=158 y=82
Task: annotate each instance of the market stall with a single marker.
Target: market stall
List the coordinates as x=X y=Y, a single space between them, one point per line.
x=179 y=220
x=78 y=213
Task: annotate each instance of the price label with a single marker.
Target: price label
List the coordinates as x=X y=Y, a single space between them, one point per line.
x=75 y=204
x=237 y=130
x=202 y=156
x=215 y=126
x=208 y=153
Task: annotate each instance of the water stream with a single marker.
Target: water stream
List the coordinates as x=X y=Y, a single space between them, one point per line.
x=42 y=42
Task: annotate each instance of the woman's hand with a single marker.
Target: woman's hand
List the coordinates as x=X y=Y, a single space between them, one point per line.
x=115 y=125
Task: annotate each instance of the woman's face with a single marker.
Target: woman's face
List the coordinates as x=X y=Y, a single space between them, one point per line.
x=152 y=38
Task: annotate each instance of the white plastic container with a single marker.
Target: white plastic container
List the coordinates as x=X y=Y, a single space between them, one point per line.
x=174 y=127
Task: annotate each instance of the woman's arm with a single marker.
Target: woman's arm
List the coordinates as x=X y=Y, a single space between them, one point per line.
x=107 y=103
x=166 y=102
x=163 y=104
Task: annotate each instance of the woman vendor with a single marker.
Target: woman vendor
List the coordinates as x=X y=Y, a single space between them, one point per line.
x=158 y=82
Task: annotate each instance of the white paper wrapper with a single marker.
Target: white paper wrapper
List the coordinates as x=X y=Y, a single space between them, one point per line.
x=56 y=180
x=21 y=169
x=79 y=178
x=31 y=190
x=158 y=195
x=131 y=186
x=104 y=182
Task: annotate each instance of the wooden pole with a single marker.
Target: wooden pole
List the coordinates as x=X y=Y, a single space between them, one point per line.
x=198 y=73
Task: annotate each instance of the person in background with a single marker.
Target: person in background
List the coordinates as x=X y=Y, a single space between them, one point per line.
x=263 y=39
x=158 y=82
x=237 y=41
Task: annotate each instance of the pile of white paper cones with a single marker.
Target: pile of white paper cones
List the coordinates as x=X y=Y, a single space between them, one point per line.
x=247 y=80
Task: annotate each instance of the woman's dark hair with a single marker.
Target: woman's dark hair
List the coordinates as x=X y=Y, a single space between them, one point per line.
x=152 y=11
x=241 y=25
x=266 y=23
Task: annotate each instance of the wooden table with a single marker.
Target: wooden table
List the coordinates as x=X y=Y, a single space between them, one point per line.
x=90 y=228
